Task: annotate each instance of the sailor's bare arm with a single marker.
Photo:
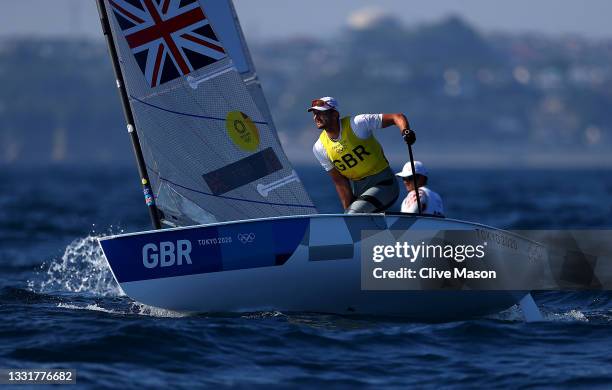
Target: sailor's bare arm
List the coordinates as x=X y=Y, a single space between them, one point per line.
x=401 y=122
x=343 y=187
x=398 y=120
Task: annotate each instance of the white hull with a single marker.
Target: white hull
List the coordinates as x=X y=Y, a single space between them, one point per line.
x=310 y=279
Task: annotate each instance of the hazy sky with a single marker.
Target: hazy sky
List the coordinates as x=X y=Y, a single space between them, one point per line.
x=279 y=18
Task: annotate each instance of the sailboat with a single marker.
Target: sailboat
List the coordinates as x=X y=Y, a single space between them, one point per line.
x=234 y=229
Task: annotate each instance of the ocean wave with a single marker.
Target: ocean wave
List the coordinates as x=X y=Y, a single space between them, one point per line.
x=81 y=269
x=87 y=307
x=145 y=310
x=132 y=308
x=571 y=315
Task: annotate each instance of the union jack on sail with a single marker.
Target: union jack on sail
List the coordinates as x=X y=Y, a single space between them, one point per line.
x=169 y=38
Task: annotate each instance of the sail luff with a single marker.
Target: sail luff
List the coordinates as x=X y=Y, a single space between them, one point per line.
x=129 y=118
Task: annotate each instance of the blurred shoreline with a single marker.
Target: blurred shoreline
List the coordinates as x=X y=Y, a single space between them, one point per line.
x=476 y=100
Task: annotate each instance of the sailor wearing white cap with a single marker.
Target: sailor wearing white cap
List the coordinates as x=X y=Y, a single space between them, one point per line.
x=431 y=202
x=354 y=159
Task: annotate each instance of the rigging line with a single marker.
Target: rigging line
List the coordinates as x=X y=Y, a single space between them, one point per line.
x=185 y=113
x=227 y=197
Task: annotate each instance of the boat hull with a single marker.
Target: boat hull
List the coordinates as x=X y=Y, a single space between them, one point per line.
x=290 y=264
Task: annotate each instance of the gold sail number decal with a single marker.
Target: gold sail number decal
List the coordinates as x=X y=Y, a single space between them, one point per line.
x=242 y=131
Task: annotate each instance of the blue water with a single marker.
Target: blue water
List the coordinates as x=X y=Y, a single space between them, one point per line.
x=59 y=305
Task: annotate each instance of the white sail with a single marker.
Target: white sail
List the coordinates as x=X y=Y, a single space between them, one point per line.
x=211 y=149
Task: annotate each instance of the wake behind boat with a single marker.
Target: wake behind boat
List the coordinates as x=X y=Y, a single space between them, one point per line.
x=245 y=234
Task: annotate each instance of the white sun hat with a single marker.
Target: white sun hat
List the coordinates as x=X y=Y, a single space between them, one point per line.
x=324 y=104
x=407 y=170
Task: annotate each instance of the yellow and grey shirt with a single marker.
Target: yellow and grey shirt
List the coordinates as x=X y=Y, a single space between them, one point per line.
x=356 y=153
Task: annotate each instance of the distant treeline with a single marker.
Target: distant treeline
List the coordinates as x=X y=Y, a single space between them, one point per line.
x=58 y=100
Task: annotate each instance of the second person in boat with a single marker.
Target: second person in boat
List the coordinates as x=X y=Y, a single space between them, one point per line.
x=354 y=159
x=431 y=202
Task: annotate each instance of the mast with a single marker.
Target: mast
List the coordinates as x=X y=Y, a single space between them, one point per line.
x=129 y=118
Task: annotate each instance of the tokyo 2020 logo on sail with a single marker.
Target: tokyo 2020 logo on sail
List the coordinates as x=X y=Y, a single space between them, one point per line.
x=169 y=39
x=242 y=131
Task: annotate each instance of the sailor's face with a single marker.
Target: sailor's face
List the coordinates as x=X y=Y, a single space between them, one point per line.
x=321 y=118
x=409 y=183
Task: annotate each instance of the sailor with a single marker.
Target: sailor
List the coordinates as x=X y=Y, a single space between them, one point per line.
x=431 y=202
x=349 y=152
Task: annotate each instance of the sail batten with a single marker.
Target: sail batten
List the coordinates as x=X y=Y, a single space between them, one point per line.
x=204 y=126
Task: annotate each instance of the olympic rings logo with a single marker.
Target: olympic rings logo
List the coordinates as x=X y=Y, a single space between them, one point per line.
x=246 y=237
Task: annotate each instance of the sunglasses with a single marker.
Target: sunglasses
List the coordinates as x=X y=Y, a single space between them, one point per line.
x=318 y=103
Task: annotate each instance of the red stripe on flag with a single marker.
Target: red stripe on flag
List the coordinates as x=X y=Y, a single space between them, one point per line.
x=163 y=29
x=178 y=57
x=158 y=59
